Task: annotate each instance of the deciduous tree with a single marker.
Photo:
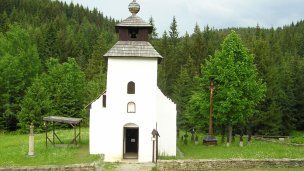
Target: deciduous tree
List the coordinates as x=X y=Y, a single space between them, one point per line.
x=238 y=89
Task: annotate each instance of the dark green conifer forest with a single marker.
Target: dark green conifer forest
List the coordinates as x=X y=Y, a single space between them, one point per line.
x=51 y=64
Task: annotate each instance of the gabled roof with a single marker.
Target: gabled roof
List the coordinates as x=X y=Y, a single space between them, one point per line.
x=133 y=49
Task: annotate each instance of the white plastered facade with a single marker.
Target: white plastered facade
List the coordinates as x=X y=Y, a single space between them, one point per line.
x=153 y=111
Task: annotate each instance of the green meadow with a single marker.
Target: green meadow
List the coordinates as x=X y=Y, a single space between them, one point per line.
x=14 y=150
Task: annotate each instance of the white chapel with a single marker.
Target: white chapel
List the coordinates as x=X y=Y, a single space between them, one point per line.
x=123 y=118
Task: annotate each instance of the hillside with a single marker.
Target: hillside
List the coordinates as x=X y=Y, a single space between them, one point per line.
x=58 y=30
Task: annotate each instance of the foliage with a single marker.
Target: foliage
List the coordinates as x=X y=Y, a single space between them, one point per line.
x=278 y=57
x=36 y=103
x=238 y=90
x=154 y=33
x=19 y=64
x=95 y=70
x=58 y=92
x=32 y=32
x=55 y=29
x=297 y=137
x=182 y=94
x=297 y=140
x=197 y=110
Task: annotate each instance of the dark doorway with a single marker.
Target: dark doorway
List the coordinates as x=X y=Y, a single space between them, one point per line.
x=131 y=143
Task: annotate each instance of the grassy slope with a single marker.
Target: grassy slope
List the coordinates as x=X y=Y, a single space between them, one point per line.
x=14 y=149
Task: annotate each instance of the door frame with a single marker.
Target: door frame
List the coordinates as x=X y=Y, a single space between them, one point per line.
x=125 y=128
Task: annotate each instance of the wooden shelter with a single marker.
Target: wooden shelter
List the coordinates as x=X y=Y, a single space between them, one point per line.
x=74 y=122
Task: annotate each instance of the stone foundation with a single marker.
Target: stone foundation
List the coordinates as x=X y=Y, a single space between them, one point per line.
x=178 y=165
x=75 y=167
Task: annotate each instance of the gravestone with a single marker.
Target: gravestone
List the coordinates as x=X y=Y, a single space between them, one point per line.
x=185 y=139
x=31 y=141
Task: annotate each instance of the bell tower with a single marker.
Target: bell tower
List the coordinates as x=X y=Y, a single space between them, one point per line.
x=133 y=28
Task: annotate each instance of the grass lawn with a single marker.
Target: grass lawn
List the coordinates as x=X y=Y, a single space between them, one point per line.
x=14 y=150
x=256 y=150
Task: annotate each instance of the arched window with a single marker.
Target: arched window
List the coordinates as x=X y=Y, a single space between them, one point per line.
x=131 y=87
x=131 y=107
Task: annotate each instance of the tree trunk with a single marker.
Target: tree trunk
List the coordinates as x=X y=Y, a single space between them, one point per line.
x=229 y=135
x=223 y=133
x=249 y=132
x=227 y=141
x=241 y=135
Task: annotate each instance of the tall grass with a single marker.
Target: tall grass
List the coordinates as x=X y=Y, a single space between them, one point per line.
x=14 y=150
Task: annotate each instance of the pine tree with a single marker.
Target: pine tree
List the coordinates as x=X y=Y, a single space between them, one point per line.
x=60 y=92
x=95 y=70
x=19 y=64
x=198 y=47
x=35 y=104
x=162 y=72
x=173 y=33
x=154 y=34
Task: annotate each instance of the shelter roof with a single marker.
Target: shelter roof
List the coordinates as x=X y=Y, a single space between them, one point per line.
x=62 y=119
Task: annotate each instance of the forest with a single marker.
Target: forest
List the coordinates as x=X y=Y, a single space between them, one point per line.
x=51 y=64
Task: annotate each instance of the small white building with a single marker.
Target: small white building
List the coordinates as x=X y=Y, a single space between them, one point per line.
x=123 y=118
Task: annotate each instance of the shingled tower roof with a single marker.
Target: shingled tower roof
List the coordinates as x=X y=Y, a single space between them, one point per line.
x=132 y=49
x=134 y=21
x=133 y=37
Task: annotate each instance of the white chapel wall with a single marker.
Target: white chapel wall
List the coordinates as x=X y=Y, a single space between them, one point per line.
x=106 y=125
x=166 y=124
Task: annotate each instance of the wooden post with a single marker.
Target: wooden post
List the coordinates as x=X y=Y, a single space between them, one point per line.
x=153 y=149
x=210 y=139
x=53 y=134
x=156 y=150
x=79 y=132
x=210 y=112
x=155 y=146
x=46 y=135
x=75 y=142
